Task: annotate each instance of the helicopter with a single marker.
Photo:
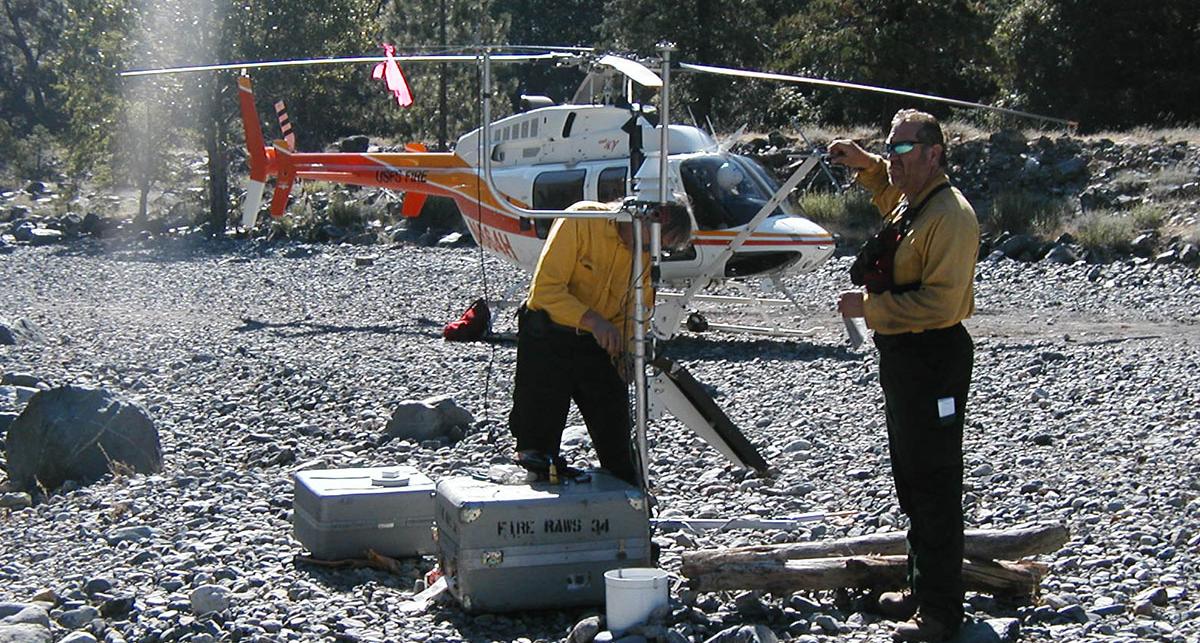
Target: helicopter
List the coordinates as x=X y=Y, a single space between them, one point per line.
x=550 y=156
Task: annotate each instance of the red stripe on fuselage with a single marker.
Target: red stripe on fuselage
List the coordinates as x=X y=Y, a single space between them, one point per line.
x=700 y=241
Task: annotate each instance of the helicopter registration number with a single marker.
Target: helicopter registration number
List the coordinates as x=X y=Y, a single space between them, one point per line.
x=491 y=239
x=386 y=177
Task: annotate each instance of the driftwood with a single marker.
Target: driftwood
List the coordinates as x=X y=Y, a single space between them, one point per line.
x=785 y=576
x=371 y=559
x=980 y=544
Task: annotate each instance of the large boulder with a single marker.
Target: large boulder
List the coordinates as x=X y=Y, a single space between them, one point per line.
x=436 y=418
x=22 y=331
x=356 y=143
x=77 y=433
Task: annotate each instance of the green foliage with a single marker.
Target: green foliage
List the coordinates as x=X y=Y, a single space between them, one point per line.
x=1165 y=181
x=345 y=212
x=548 y=22
x=1104 y=230
x=32 y=156
x=324 y=102
x=1106 y=63
x=931 y=47
x=850 y=214
x=1147 y=216
x=95 y=48
x=314 y=205
x=1023 y=212
x=414 y=26
x=7 y=141
x=28 y=46
x=705 y=31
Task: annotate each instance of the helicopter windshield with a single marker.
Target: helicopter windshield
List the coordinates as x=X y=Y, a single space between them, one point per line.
x=726 y=190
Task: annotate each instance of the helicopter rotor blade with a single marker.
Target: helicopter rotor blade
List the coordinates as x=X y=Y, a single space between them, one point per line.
x=745 y=73
x=260 y=64
x=635 y=70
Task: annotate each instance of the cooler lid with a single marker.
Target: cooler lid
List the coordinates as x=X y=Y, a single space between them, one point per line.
x=332 y=482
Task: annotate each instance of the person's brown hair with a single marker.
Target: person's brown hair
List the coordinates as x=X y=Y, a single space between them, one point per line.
x=928 y=132
x=676 y=221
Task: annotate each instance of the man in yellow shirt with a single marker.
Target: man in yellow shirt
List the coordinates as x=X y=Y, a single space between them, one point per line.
x=573 y=332
x=919 y=273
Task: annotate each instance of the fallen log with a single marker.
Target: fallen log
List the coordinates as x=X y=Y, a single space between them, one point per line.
x=869 y=572
x=980 y=544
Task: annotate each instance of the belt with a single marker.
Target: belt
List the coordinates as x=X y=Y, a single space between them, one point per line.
x=910 y=338
x=571 y=330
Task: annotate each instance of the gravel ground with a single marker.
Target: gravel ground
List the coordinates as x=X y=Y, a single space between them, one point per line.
x=256 y=359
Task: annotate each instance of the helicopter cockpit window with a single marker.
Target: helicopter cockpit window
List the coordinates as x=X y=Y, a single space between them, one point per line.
x=610 y=186
x=726 y=191
x=556 y=191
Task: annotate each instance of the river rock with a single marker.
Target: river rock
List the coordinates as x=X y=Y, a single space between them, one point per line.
x=77 y=433
x=431 y=419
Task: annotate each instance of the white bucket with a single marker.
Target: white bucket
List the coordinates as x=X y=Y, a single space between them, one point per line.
x=631 y=595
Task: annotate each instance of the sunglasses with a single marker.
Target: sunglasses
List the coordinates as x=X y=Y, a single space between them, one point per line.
x=901 y=147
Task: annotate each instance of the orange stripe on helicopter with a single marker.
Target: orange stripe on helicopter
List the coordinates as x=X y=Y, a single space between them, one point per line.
x=411 y=173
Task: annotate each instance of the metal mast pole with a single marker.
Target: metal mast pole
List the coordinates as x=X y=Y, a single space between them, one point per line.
x=442 y=80
x=664 y=116
x=485 y=88
x=641 y=390
x=639 y=352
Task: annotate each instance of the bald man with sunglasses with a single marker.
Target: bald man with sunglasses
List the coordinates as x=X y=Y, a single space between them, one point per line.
x=918 y=274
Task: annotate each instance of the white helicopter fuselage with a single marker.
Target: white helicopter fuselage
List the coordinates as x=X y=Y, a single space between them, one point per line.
x=551 y=157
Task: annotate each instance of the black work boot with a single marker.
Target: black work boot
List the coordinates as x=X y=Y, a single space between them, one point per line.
x=897 y=606
x=923 y=628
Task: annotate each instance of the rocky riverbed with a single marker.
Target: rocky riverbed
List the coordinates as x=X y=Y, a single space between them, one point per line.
x=256 y=359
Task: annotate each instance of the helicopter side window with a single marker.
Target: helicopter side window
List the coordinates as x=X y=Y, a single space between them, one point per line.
x=723 y=193
x=611 y=184
x=556 y=191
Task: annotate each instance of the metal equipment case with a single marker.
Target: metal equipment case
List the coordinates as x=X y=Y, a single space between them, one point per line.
x=540 y=545
x=340 y=513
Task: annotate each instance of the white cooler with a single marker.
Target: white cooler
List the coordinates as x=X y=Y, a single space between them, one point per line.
x=341 y=513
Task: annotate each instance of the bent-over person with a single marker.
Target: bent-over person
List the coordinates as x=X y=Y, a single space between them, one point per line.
x=574 y=333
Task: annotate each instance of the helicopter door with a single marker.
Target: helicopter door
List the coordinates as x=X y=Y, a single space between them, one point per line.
x=555 y=190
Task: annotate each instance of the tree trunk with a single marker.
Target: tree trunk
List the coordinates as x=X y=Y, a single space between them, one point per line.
x=980 y=544
x=33 y=72
x=218 y=169
x=997 y=578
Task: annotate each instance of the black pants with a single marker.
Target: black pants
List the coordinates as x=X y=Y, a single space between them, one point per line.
x=557 y=365
x=925 y=378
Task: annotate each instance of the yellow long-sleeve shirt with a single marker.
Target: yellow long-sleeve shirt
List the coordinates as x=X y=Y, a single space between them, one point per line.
x=585 y=265
x=939 y=252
